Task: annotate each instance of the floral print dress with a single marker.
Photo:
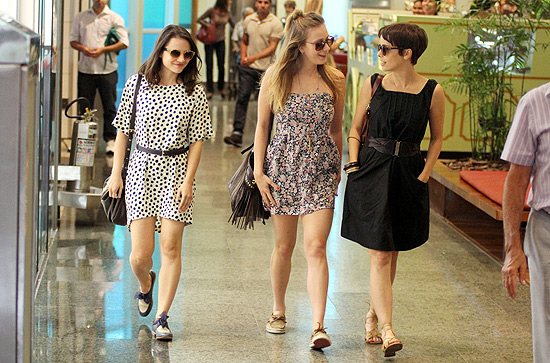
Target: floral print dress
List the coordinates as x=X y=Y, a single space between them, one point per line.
x=302 y=159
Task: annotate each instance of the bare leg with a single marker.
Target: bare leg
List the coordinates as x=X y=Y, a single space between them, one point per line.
x=316 y=231
x=143 y=245
x=371 y=322
x=394 y=266
x=285 y=240
x=381 y=285
x=170 y=268
x=381 y=275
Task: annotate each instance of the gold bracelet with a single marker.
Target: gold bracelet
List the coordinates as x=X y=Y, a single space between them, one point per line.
x=351 y=170
x=351 y=164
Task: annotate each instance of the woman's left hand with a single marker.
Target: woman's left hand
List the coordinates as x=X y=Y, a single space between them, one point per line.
x=185 y=195
x=424 y=179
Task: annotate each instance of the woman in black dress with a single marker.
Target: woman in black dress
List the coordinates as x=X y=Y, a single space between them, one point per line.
x=386 y=206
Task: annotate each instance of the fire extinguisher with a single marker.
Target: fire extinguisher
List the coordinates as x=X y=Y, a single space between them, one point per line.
x=84 y=137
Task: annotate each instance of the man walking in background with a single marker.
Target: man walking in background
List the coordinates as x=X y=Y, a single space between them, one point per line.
x=262 y=32
x=99 y=34
x=528 y=150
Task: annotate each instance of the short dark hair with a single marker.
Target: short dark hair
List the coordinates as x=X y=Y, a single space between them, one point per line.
x=406 y=36
x=152 y=66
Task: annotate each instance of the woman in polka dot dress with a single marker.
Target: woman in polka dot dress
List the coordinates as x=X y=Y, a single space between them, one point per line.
x=172 y=120
x=298 y=175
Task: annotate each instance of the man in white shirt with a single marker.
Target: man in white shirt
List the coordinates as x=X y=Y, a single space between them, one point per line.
x=93 y=35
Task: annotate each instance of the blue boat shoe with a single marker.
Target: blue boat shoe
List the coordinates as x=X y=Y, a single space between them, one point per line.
x=145 y=300
x=161 y=330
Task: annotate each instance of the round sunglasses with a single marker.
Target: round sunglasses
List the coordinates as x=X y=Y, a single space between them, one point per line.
x=320 y=45
x=384 y=49
x=175 y=53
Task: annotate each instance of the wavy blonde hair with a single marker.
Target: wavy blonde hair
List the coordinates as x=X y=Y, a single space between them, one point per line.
x=289 y=60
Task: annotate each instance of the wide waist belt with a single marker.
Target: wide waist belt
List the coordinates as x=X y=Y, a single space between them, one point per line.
x=394 y=147
x=173 y=152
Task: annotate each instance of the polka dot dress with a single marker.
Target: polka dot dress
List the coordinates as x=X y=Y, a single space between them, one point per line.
x=166 y=119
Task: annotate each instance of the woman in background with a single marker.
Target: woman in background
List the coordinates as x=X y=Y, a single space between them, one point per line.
x=220 y=15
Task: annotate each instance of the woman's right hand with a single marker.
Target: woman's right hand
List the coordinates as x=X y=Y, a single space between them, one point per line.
x=264 y=182
x=115 y=185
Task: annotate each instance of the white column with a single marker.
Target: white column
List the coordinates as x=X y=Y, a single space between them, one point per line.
x=25 y=13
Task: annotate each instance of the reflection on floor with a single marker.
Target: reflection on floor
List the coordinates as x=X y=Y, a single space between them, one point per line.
x=449 y=302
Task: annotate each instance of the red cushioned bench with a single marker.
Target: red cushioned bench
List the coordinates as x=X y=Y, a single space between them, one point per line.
x=489 y=183
x=483 y=189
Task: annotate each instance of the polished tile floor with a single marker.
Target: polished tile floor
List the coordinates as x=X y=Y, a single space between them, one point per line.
x=449 y=302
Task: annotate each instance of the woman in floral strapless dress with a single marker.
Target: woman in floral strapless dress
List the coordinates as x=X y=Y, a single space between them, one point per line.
x=298 y=174
x=302 y=159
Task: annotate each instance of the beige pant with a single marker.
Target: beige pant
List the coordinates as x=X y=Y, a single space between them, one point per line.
x=537 y=249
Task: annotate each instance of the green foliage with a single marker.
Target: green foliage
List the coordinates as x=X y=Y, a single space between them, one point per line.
x=499 y=47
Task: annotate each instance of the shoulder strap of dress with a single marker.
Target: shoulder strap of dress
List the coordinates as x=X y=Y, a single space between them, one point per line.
x=432 y=83
x=373 y=79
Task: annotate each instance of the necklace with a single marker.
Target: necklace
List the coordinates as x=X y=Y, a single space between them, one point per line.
x=300 y=85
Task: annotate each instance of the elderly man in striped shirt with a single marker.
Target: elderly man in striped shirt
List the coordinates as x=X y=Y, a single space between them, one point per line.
x=528 y=150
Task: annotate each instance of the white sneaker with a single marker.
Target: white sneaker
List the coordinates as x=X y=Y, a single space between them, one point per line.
x=110 y=148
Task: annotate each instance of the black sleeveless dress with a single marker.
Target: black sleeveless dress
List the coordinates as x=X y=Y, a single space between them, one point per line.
x=386 y=207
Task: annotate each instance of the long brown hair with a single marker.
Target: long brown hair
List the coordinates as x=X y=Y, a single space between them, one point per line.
x=288 y=62
x=152 y=66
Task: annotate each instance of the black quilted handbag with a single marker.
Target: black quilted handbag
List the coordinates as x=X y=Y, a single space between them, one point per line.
x=246 y=201
x=115 y=208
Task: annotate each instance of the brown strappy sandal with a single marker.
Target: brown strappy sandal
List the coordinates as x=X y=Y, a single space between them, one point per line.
x=391 y=343
x=372 y=336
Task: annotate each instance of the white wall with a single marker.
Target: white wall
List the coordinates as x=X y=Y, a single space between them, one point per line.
x=25 y=13
x=9 y=7
x=337 y=22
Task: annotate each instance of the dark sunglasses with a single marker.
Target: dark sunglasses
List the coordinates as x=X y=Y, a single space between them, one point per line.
x=384 y=49
x=320 y=45
x=175 y=53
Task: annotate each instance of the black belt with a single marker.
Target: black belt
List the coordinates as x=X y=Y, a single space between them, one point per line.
x=394 y=147
x=173 y=152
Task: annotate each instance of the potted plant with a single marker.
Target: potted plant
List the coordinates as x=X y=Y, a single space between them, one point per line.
x=499 y=48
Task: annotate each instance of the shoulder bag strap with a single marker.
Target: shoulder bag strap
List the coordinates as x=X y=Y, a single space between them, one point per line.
x=365 y=131
x=131 y=130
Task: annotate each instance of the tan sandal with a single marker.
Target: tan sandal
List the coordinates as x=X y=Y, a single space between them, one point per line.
x=372 y=336
x=391 y=343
